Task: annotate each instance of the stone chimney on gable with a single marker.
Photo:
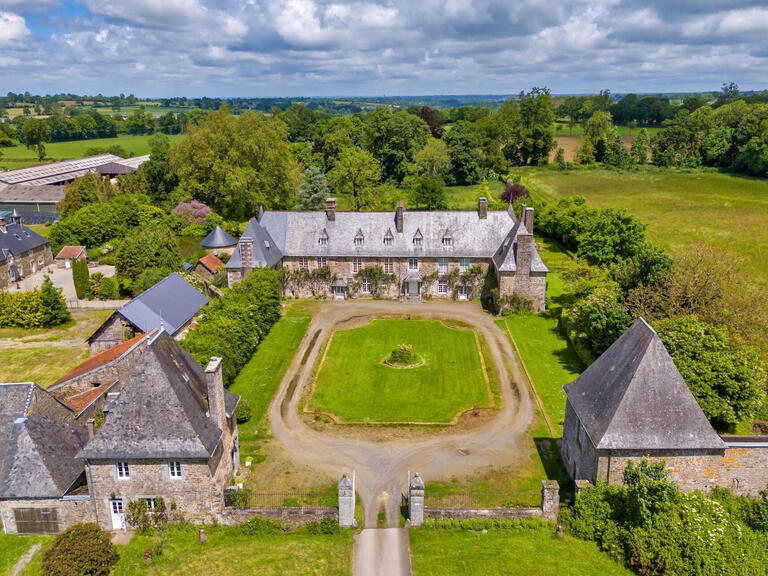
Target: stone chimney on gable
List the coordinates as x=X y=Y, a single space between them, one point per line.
x=482 y=208
x=526 y=247
x=399 y=217
x=15 y=217
x=246 y=256
x=214 y=380
x=528 y=218
x=330 y=209
x=3 y=229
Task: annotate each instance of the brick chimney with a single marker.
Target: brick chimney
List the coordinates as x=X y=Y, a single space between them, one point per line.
x=399 y=217
x=246 y=256
x=215 y=391
x=482 y=208
x=330 y=209
x=528 y=218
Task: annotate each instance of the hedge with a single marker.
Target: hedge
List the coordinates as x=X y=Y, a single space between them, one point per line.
x=33 y=309
x=231 y=327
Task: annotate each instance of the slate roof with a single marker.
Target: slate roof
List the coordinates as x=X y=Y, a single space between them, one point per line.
x=30 y=194
x=633 y=397
x=218 y=238
x=113 y=168
x=172 y=302
x=70 y=252
x=80 y=402
x=266 y=252
x=505 y=258
x=38 y=443
x=18 y=238
x=161 y=410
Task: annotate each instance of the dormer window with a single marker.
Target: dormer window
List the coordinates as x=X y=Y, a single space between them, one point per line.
x=359 y=238
x=387 y=241
x=418 y=239
x=388 y=237
x=447 y=241
x=323 y=239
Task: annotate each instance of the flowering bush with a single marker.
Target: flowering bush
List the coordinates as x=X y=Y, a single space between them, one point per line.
x=191 y=212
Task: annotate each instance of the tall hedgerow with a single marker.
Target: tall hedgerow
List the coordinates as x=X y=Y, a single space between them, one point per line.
x=81 y=278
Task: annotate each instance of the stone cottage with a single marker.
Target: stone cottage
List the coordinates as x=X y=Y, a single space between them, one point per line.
x=169 y=431
x=441 y=254
x=171 y=304
x=22 y=251
x=633 y=403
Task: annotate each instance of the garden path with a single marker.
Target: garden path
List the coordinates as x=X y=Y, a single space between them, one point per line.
x=382 y=468
x=382 y=552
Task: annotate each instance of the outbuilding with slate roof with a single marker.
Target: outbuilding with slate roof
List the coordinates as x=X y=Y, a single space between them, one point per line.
x=22 y=251
x=218 y=242
x=630 y=403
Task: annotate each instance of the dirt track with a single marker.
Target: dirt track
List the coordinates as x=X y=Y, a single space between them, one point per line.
x=382 y=467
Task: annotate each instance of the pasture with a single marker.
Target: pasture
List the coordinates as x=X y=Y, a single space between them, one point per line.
x=354 y=384
x=20 y=157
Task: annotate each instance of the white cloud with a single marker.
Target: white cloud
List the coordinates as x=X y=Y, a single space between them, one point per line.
x=13 y=29
x=169 y=14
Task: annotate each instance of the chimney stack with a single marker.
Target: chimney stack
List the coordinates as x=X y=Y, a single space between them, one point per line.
x=524 y=257
x=482 y=208
x=215 y=383
x=3 y=229
x=522 y=212
x=246 y=256
x=91 y=423
x=399 y=217
x=528 y=218
x=330 y=209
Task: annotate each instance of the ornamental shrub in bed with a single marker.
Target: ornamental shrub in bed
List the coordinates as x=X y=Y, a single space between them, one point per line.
x=82 y=550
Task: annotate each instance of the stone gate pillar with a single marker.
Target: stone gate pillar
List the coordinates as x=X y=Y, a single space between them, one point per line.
x=550 y=499
x=346 y=502
x=416 y=500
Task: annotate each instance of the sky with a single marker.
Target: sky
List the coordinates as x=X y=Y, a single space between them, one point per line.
x=264 y=48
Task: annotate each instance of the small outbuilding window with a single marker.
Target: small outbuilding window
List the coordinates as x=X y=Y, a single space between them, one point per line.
x=123 y=471
x=175 y=469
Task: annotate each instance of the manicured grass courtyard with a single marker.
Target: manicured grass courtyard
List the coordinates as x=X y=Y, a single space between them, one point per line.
x=354 y=385
x=530 y=548
x=20 y=157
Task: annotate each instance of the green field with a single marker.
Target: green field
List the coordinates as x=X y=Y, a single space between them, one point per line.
x=562 y=129
x=13 y=547
x=354 y=384
x=20 y=157
x=259 y=379
x=528 y=549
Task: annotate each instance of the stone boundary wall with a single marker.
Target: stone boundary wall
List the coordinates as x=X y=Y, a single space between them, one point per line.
x=291 y=516
x=467 y=513
x=69 y=511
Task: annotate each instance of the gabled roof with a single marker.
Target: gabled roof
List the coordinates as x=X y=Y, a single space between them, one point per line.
x=38 y=443
x=57 y=171
x=211 y=262
x=113 y=168
x=18 y=238
x=31 y=194
x=79 y=403
x=170 y=303
x=218 y=238
x=100 y=360
x=266 y=252
x=70 y=252
x=161 y=410
x=633 y=397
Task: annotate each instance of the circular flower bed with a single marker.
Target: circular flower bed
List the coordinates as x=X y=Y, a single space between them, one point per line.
x=403 y=356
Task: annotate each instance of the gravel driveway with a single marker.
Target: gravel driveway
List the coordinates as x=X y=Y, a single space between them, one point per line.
x=382 y=467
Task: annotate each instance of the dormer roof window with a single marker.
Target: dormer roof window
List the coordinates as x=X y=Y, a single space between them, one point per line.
x=418 y=239
x=359 y=238
x=323 y=238
x=388 y=237
x=447 y=238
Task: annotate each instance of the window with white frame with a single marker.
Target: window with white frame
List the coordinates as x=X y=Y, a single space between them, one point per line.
x=442 y=286
x=463 y=264
x=447 y=241
x=175 y=469
x=365 y=288
x=418 y=241
x=150 y=505
x=442 y=265
x=389 y=266
x=387 y=241
x=359 y=241
x=322 y=241
x=413 y=263
x=357 y=265
x=322 y=262
x=40 y=261
x=123 y=472
x=303 y=263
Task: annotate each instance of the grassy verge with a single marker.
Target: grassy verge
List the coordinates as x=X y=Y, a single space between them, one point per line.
x=259 y=380
x=229 y=552
x=13 y=547
x=355 y=385
x=20 y=157
x=528 y=548
x=43 y=355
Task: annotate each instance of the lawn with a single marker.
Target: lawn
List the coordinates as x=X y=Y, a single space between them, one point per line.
x=13 y=547
x=20 y=157
x=353 y=384
x=43 y=355
x=259 y=379
x=529 y=548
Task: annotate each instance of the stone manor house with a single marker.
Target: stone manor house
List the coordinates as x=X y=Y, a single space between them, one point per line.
x=633 y=403
x=423 y=250
x=140 y=420
x=22 y=251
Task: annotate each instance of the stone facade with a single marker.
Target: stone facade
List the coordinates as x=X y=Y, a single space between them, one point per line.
x=111 y=333
x=28 y=263
x=69 y=510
